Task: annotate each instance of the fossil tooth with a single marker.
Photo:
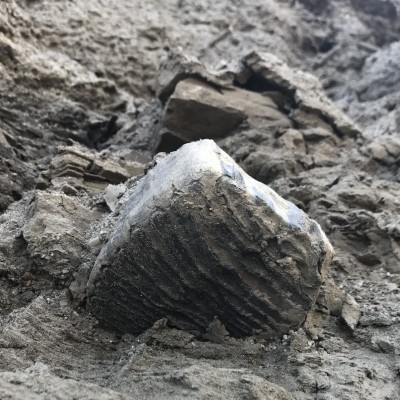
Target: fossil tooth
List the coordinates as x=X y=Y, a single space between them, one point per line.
x=199 y=239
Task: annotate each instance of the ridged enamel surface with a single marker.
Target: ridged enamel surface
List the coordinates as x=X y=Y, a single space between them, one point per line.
x=201 y=239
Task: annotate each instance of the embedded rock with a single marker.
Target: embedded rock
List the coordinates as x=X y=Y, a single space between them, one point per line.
x=112 y=193
x=55 y=233
x=247 y=107
x=351 y=312
x=197 y=110
x=331 y=299
x=304 y=89
x=5 y=148
x=178 y=66
x=83 y=170
x=199 y=239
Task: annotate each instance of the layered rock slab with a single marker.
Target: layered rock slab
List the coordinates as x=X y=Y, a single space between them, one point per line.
x=199 y=239
x=304 y=89
x=258 y=91
x=197 y=110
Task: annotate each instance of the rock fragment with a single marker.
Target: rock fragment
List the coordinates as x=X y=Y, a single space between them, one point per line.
x=351 y=312
x=5 y=148
x=376 y=316
x=331 y=298
x=198 y=111
x=55 y=232
x=260 y=92
x=80 y=168
x=179 y=66
x=198 y=240
x=112 y=193
x=385 y=343
x=385 y=149
x=305 y=90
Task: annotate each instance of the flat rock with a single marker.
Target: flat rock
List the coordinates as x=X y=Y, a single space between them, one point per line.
x=199 y=239
x=80 y=167
x=304 y=88
x=112 y=193
x=351 y=312
x=178 y=66
x=197 y=110
x=55 y=232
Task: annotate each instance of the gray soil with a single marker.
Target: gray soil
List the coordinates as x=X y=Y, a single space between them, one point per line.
x=91 y=102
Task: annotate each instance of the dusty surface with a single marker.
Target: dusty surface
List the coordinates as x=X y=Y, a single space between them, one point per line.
x=81 y=117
